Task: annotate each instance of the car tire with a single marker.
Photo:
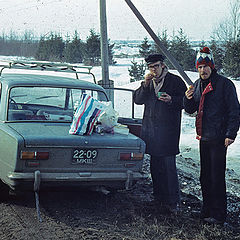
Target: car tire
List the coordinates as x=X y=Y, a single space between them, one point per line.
x=4 y=189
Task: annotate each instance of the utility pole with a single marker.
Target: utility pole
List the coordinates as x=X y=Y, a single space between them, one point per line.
x=105 y=82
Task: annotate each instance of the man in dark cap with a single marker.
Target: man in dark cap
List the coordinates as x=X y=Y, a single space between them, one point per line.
x=162 y=92
x=215 y=100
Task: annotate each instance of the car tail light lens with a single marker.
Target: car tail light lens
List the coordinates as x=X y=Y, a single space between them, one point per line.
x=27 y=155
x=125 y=156
x=131 y=156
x=42 y=155
x=137 y=156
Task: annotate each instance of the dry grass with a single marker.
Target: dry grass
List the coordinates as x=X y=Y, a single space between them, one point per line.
x=147 y=223
x=144 y=221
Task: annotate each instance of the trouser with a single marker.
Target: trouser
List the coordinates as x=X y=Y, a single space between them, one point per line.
x=165 y=180
x=212 y=179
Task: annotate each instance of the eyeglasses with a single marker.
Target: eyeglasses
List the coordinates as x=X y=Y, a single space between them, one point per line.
x=154 y=66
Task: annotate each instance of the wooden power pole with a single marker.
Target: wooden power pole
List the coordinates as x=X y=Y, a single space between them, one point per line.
x=105 y=82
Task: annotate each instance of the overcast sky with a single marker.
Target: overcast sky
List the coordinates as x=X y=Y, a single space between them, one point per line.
x=196 y=18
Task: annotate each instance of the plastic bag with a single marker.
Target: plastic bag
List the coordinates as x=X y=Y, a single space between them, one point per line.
x=108 y=118
x=86 y=115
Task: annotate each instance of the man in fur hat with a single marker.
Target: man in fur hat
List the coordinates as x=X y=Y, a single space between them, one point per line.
x=215 y=100
x=162 y=92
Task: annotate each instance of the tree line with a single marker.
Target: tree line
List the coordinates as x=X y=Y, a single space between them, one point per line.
x=14 y=45
x=54 y=48
x=179 y=46
x=226 y=55
x=225 y=46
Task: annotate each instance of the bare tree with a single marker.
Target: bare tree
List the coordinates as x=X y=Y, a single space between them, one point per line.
x=235 y=19
x=229 y=29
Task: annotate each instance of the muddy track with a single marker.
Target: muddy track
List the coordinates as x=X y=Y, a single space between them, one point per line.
x=129 y=215
x=66 y=215
x=18 y=215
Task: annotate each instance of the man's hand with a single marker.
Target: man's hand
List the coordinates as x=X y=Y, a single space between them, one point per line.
x=189 y=92
x=165 y=98
x=148 y=77
x=228 y=142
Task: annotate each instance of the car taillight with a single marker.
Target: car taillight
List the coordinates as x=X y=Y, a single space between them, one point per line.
x=27 y=155
x=42 y=155
x=131 y=156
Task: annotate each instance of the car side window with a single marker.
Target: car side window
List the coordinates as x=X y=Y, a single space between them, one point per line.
x=124 y=105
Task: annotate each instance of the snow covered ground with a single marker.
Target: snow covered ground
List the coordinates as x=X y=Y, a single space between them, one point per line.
x=188 y=143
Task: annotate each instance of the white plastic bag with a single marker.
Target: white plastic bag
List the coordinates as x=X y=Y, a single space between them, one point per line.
x=108 y=118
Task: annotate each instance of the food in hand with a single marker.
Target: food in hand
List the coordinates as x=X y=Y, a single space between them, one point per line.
x=154 y=74
x=161 y=94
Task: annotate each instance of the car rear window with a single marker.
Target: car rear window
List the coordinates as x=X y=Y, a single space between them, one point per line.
x=46 y=103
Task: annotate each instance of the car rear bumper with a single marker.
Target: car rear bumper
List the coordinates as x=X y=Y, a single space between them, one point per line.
x=113 y=179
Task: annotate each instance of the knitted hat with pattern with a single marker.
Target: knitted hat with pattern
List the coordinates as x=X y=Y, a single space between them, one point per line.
x=204 y=56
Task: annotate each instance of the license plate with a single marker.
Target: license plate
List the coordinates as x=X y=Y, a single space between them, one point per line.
x=84 y=156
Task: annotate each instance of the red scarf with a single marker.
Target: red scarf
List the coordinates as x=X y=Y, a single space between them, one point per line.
x=199 y=116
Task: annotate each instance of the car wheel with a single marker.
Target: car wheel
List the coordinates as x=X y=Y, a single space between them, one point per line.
x=4 y=191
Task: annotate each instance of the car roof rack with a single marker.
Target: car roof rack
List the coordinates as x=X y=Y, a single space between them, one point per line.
x=47 y=66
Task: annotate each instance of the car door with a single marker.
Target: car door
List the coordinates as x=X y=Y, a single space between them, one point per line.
x=130 y=114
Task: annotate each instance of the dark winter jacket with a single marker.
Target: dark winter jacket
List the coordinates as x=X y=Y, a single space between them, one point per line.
x=162 y=121
x=218 y=118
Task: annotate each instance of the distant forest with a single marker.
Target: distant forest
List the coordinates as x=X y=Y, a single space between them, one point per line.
x=14 y=45
x=225 y=48
x=54 y=48
x=226 y=54
x=225 y=45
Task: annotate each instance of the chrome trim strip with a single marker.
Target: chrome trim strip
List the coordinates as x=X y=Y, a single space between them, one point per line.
x=83 y=146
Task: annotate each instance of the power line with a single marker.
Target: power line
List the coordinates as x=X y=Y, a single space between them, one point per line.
x=16 y=9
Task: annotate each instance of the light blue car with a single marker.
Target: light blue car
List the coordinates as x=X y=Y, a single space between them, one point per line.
x=36 y=150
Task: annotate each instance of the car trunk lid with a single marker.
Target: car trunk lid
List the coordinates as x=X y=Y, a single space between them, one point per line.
x=78 y=153
x=57 y=134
